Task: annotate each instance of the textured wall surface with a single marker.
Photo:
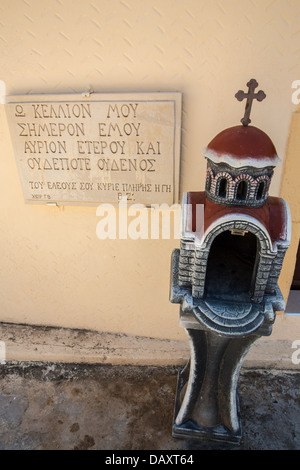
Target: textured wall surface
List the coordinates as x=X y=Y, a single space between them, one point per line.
x=54 y=269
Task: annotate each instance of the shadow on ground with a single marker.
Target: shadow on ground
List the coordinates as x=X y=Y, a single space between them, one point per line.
x=96 y=407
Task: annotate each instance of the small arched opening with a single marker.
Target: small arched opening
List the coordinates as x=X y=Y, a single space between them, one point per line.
x=242 y=190
x=260 y=190
x=222 y=192
x=208 y=182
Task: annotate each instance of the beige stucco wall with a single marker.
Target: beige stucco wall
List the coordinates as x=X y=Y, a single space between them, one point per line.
x=54 y=270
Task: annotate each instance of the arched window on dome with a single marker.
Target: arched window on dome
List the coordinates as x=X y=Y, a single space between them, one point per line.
x=208 y=182
x=242 y=190
x=261 y=190
x=222 y=192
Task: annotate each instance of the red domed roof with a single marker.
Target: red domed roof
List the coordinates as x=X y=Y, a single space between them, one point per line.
x=242 y=146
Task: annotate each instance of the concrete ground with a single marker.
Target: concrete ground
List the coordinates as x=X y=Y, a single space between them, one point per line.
x=103 y=407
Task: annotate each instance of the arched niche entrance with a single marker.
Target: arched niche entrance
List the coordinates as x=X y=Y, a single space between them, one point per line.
x=232 y=267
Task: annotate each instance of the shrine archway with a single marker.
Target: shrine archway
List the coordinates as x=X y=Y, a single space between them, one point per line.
x=264 y=253
x=231 y=267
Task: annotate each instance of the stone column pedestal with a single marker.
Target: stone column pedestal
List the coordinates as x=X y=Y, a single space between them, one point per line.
x=220 y=335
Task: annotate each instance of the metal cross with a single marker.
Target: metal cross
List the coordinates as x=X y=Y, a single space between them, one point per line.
x=259 y=96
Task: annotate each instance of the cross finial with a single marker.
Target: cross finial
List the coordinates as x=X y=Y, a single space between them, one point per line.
x=240 y=95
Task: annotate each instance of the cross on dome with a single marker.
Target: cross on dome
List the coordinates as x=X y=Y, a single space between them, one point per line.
x=241 y=95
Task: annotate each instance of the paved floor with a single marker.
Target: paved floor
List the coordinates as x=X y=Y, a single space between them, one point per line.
x=55 y=406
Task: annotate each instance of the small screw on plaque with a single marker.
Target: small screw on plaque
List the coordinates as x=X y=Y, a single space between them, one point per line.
x=241 y=95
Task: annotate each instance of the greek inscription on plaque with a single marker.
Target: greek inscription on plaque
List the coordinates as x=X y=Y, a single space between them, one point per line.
x=89 y=149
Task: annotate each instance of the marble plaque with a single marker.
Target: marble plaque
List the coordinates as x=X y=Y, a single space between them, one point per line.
x=94 y=148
